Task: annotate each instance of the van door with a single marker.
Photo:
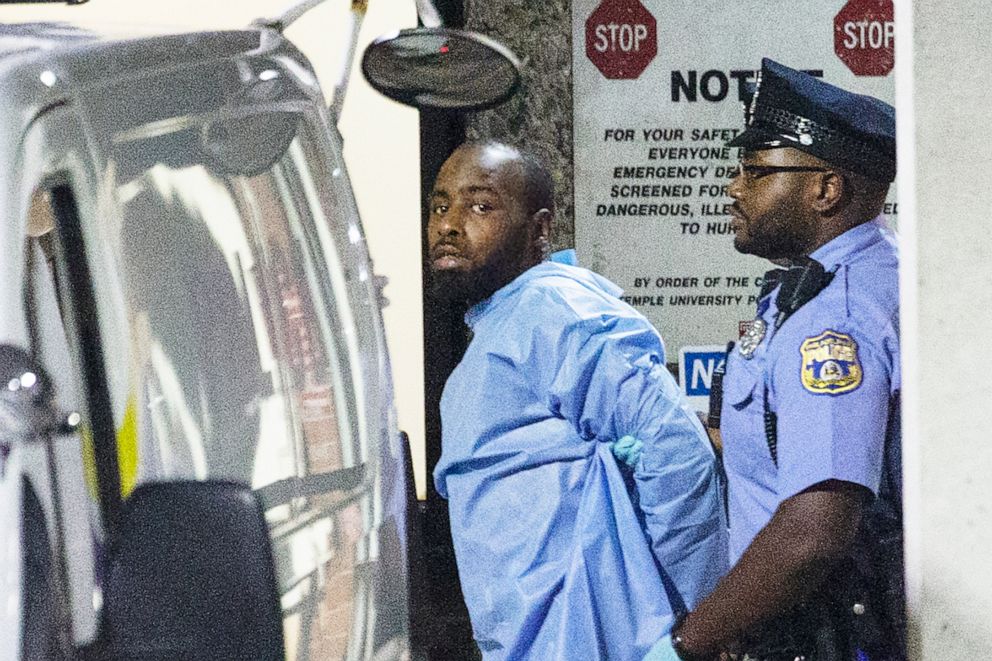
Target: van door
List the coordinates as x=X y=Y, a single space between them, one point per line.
x=211 y=312
x=73 y=477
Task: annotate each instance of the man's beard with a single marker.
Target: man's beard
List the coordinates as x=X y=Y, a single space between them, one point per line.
x=502 y=266
x=454 y=287
x=772 y=247
x=772 y=239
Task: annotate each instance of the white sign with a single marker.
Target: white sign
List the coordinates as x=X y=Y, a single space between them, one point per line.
x=651 y=168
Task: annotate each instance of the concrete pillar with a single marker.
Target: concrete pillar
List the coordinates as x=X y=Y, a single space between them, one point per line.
x=539 y=118
x=947 y=326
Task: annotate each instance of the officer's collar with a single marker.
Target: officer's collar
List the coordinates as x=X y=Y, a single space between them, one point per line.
x=837 y=250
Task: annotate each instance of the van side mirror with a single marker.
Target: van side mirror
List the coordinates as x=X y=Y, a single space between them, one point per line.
x=250 y=145
x=442 y=68
x=191 y=576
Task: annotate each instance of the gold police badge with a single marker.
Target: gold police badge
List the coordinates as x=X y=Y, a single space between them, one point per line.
x=830 y=363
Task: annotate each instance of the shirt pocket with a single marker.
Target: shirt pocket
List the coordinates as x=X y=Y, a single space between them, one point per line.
x=743 y=420
x=740 y=385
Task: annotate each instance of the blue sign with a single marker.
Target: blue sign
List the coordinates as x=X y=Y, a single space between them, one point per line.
x=698 y=374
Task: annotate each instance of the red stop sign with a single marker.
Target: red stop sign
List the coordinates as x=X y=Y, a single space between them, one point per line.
x=621 y=38
x=864 y=37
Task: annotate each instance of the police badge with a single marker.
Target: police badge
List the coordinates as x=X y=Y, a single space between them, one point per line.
x=752 y=338
x=830 y=363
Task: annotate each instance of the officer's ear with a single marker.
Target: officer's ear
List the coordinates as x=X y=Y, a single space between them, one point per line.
x=832 y=193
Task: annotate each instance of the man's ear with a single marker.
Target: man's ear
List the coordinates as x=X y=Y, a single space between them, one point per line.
x=544 y=218
x=832 y=193
x=542 y=231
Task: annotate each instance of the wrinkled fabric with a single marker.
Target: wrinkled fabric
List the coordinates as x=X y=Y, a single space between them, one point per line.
x=556 y=559
x=821 y=436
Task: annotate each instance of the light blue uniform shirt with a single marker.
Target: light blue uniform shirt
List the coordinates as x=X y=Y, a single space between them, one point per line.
x=553 y=560
x=830 y=373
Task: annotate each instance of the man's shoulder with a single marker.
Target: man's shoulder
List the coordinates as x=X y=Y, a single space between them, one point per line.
x=574 y=297
x=865 y=287
x=869 y=288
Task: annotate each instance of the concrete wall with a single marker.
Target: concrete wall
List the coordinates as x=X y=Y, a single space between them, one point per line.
x=539 y=117
x=947 y=323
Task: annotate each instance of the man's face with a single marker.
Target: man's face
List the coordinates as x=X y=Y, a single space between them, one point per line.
x=480 y=234
x=771 y=214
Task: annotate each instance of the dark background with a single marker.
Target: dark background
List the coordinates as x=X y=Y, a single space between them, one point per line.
x=538 y=119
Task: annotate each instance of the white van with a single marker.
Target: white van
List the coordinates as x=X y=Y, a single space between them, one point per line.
x=188 y=308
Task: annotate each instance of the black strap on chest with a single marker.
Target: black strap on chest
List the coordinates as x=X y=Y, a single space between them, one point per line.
x=800 y=284
x=716 y=390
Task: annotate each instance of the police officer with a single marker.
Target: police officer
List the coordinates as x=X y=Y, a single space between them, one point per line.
x=810 y=413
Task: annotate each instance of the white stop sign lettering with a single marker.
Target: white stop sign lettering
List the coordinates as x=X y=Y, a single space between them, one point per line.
x=620 y=37
x=869 y=34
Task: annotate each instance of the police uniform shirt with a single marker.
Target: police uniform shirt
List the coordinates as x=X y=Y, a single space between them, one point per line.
x=829 y=373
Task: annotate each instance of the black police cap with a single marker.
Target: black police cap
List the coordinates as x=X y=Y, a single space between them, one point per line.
x=789 y=108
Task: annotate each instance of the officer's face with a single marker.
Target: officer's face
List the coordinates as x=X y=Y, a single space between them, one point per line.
x=480 y=234
x=771 y=213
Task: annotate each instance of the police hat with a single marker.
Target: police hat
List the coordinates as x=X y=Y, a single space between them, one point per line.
x=789 y=108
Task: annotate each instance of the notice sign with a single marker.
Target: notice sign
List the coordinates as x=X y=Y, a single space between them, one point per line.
x=658 y=89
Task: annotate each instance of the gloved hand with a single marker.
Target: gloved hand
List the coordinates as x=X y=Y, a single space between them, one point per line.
x=627 y=450
x=662 y=651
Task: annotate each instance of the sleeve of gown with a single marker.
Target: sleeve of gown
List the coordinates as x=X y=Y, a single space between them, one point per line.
x=606 y=374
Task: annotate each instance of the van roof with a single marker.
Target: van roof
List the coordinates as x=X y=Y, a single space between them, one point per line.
x=130 y=48
x=45 y=64
x=32 y=37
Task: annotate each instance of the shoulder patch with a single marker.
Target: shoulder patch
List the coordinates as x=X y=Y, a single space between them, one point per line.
x=830 y=363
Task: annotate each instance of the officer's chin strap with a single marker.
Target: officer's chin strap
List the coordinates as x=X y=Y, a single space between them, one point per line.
x=800 y=284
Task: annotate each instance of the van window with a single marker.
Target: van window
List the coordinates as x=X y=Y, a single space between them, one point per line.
x=237 y=336
x=242 y=352
x=199 y=319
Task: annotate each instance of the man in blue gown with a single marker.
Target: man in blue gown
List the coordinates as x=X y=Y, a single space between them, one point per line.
x=555 y=557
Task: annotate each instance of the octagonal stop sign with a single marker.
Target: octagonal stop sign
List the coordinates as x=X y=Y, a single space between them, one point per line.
x=621 y=38
x=864 y=37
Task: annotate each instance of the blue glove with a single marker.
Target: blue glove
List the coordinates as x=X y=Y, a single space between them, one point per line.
x=627 y=450
x=662 y=651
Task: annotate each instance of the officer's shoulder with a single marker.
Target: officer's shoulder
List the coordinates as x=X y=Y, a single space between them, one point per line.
x=862 y=299
x=870 y=282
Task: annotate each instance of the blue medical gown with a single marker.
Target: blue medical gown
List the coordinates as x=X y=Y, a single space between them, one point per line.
x=555 y=558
